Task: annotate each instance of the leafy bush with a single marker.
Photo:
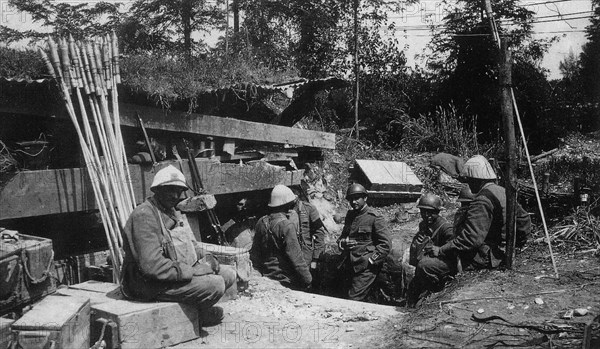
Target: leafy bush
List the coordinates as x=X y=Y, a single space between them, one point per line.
x=446 y=130
x=21 y=64
x=168 y=78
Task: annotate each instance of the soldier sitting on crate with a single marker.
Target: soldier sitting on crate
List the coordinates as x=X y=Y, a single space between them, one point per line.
x=276 y=247
x=162 y=259
x=365 y=243
x=431 y=272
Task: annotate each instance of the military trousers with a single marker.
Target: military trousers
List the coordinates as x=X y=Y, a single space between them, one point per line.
x=202 y=291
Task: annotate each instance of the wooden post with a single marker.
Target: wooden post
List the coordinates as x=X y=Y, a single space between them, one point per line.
x=510 y=143
x=356 y=66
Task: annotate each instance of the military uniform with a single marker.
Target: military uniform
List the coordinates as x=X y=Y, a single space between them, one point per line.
x=311 y=230
x=430 y=272
x=369 y=229
x=480 y=240
x=278 y=253
x=161 y=260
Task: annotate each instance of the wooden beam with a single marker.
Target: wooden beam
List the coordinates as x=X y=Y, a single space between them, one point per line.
x=207 y=125
x=36 y=193
x=178 y=121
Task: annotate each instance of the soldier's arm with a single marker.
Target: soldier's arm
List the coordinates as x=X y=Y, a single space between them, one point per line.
x=381 y=240
x=293 y=252
x=474 y=230
x=317 y=231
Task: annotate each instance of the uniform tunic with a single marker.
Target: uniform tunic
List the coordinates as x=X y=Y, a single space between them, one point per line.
x=431 y=272
x=312 y=231
x=371 y=233
x=151 y=268
x=278 y=251
x=480 y=240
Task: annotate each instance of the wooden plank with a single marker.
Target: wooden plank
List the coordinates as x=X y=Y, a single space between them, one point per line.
x=208 y=125
x=178 y=121
x=392 y=176
x=36 y=193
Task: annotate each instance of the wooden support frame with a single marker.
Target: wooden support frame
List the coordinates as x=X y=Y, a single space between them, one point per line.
x=36 y=193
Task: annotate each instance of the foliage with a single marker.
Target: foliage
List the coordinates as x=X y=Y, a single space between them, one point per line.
x=466 y=55
x=445 y=130
x=165 y=24
x=21 y=64
x=169 y=78
x=80 y=20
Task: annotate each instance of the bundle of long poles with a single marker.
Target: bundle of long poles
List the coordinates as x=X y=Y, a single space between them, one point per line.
x=87 y=73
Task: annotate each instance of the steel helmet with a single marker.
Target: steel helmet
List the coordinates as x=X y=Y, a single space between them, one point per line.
x=478 y=167
x=355 y=189
x=281 y=195
x=430 y=201
x=465 y=194
x=169 y=176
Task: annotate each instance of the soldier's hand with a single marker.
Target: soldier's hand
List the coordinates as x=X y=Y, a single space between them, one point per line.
x=201 y=268
x=432 y=251
x=213 y=262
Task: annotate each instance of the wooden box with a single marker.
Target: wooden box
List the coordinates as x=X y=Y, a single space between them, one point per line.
x=27 y=261
x=96 y=291
x=5 y=334
x=148 y=325
x=55 y=322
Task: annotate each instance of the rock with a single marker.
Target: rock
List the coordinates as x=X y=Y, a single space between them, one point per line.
x=480 y=310
x=580 y=311
x=539 y=301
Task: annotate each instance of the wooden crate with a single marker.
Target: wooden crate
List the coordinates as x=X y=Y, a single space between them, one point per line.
x=27 y=261
x=5 y=334
x=147 y=325
x=55 y=322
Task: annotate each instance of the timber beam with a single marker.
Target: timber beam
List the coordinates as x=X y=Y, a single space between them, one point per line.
x=44 y=192
x=192 y=123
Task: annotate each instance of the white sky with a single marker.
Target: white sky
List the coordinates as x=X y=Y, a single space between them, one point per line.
x=570 y=29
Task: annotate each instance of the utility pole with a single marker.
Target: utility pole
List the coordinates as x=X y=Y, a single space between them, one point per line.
x=505 y=65
x=356 y=66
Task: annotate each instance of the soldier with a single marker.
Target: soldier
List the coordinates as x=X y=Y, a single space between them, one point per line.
x=431 y=272
x=276 y=243
x=464 y=198
x=480 y=240
x=311 y=236
x=364 y=242
x=163 y=261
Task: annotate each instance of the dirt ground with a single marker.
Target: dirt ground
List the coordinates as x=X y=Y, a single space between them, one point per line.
x=529 y=297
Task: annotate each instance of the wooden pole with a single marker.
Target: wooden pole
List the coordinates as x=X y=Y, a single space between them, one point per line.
x=511 y=152
x=496 y=35
x=356 y=67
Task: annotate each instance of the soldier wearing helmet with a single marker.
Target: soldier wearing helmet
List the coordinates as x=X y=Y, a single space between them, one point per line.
x=480 y=238
x=277 y=250
x=163 y=260
x=364 y=242
x=431 y=272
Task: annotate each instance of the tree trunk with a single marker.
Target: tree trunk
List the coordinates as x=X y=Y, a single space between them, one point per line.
x=186 y=20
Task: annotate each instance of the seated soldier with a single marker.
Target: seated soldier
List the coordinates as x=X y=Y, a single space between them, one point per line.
x=276 y=248
x=163 y=260
x=431 y=272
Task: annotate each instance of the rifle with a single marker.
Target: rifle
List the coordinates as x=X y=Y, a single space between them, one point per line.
x=150 y=150
x=198 y=190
